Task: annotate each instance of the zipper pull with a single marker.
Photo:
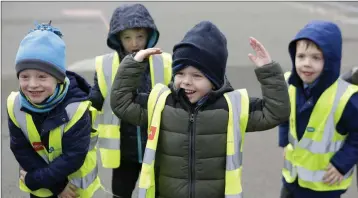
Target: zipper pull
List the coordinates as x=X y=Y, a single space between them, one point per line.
x=191 y=118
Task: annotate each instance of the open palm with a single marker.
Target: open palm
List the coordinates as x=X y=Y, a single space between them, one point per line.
x=262 y=56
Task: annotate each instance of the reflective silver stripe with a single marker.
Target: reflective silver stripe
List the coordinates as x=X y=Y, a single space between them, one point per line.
x=108 y=118
x=20 y=117
x=142 y=192
x=288 y=166
x=93 y=142
x=308 y=175
x=158 y=66
x=235 y=161
x=87 y=180
x=240 y=195
x=149 y=156
x=109 y=143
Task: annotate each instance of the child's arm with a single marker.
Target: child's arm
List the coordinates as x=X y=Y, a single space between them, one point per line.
x=274 y=108
x=75 y=144
x=126 y=104
x=351 y=76
x=347 y=156
x=95 y=95
x=283 y=130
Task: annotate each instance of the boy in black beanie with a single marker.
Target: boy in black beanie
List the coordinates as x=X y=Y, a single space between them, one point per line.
x=201 y=120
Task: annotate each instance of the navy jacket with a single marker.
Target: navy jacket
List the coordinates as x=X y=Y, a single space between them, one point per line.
x=75 y=142
x=328 y=37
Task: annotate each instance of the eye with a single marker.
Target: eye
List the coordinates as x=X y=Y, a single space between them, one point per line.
x=300 y=56
x=42 y=76
x=24 y=76
x=317 y=58
x=197 y=76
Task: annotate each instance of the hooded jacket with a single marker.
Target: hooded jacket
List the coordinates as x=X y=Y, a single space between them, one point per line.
x=125 y=17
x=328 y=38
x=75 y=142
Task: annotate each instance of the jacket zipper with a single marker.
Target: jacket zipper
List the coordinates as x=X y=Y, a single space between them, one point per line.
x=191 y=156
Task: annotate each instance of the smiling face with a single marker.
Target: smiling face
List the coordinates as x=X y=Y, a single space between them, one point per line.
x=309 y=61
x=194 y=83
x=134 y=39
x=37 y=85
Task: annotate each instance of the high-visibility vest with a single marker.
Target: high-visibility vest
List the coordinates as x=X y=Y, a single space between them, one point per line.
x=238 y=103
x=85 y=179
x=109 y=124
x=308 y=158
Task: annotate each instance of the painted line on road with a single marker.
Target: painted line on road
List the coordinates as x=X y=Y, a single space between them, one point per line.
x=86 y=13
x=342 y=6
x=83 y=65
x=339 y=17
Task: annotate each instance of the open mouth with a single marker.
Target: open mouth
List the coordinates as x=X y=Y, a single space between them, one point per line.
x=35 y=93
x=308 y=73
x=189 y=92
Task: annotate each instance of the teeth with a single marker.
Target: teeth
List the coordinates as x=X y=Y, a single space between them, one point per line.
x=189 y=91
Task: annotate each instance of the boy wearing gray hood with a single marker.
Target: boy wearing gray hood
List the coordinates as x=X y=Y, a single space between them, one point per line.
x=120 y=143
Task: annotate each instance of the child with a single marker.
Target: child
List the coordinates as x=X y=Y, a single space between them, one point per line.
x=321 y=136
x=191 y=159
x=120 y=143
x=49 y=121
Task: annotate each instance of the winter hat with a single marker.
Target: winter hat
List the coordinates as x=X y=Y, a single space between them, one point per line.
x=203 y=47
x=43 y=49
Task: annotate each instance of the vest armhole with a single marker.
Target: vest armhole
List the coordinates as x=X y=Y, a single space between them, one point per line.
x=81 y=109
x=10 y=107
x=352 y=89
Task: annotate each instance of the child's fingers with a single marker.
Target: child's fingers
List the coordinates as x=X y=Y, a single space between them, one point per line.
x=252 y=58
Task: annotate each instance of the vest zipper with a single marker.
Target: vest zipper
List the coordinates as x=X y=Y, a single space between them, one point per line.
x=191 y=156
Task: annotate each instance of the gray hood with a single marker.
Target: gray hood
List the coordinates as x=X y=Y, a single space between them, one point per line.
x=129 y=16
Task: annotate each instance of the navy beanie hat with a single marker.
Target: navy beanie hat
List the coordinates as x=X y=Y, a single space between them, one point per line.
x=43 y=49
x=203 y=47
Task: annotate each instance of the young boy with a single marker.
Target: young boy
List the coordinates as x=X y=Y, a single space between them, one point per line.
x=321 y=136
x=49 y=121
x=120 y=143
x=193 y=124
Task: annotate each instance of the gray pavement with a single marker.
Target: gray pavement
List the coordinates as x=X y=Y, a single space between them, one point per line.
x=84 y=27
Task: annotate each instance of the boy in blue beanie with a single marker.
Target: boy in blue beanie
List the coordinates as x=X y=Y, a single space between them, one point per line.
x=320 y=139
x=193 y=118
x=49 y=120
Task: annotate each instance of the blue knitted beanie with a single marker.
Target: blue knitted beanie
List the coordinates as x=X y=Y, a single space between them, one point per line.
x=43 y=49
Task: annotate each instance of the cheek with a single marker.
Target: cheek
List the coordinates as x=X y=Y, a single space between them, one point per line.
x=176 y=82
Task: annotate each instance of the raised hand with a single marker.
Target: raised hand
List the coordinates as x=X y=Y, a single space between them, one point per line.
x=142 y=54
x=262 y=56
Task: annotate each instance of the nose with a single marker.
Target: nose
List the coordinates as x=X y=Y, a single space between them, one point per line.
x=134 y=43
x=33 y=83
x=187 y=80
x=307 y=62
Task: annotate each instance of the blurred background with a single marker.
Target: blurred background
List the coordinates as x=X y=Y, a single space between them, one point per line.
x=85 y=29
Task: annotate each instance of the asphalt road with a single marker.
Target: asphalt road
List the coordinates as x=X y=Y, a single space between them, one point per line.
x=84 y=25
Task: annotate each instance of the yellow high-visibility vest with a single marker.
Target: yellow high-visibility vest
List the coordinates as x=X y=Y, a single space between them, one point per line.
x=308 y=158
x=108 y=123
x=238 y=103
x=86 y=178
